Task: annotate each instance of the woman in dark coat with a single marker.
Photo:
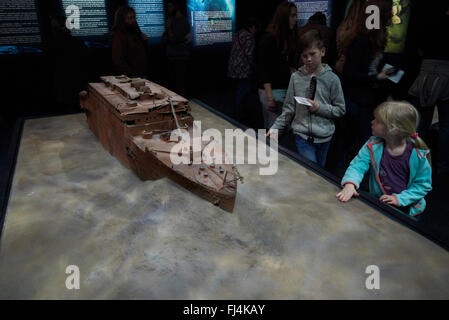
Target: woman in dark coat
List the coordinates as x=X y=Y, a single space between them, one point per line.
x=129 y=45
x=278 y=54
x=360 y=60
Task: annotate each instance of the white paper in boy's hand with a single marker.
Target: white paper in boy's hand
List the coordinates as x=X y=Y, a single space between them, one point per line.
x=302 y=100
x=395 y=77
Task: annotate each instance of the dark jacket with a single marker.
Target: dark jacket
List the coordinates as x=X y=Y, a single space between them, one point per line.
x=177 y=44
x=430 y=40
x=361 y=88
x=272 y=65
x=64 y=48
x=129 y=55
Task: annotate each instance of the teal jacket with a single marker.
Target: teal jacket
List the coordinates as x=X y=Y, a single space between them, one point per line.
x=419 y=183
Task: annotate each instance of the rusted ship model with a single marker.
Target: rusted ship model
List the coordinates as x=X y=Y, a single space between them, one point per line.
x=135 y=119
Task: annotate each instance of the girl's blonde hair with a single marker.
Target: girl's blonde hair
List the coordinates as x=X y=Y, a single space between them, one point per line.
x=403 y=117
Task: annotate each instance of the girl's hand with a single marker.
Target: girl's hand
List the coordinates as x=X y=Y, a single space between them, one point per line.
x=347 y=193
x=383 y=74
x=271 y=104
x=315 y=105
x=272 y=134
x=389 y=200
x=144 y=37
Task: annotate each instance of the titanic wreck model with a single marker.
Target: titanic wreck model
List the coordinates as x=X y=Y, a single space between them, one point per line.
x=135 y=120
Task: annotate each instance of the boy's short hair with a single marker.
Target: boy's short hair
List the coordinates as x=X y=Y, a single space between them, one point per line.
x=312 y=37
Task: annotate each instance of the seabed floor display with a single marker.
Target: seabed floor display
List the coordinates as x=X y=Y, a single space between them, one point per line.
x=73 y=203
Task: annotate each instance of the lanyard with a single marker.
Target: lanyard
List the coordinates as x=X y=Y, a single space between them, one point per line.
x=311 y=95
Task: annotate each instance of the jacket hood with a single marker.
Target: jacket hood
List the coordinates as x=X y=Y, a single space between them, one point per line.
x=323 y=73
x=422 y=153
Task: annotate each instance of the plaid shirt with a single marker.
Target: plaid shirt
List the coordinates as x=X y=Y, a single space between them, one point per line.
x=241 y=59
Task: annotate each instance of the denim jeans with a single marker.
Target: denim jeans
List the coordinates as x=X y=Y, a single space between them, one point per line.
x=316 y=152
x=269 y=116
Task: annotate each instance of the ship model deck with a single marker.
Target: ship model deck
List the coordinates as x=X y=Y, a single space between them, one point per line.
x=137 y=121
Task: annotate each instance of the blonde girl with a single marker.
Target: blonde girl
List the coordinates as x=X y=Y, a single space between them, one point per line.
x=399 y=160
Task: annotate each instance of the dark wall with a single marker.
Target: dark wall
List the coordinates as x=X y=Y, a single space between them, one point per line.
x=29 y=80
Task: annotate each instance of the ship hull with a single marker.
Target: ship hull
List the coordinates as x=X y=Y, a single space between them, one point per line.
x=146 y=172
x=117 y=136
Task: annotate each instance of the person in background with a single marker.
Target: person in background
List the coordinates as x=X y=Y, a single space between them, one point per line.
x=344 y=145
x=278 y=54
x=431 y=87
x=241 y=64
x=361 y=76
x=69 y=65
x=129 y=44
x=317 y=22
x=177 y=39
x=398 y=159
x=347 y=31
x=312 y=124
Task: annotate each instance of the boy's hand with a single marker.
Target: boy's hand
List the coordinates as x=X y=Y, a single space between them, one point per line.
x=315 y=105
x=272 y=134
x=347 y=193
x=389 y=200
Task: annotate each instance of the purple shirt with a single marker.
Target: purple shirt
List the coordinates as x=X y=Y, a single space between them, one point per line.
x=394 y=171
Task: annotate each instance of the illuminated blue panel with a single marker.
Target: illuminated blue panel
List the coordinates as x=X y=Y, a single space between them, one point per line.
x=150 y=17
x=306 y=8
x=211 y=21
x=93 y=21
x=19 y=26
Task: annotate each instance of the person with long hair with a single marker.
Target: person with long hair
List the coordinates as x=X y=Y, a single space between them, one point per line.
x=398 y=159
x=347 y=31
x=362 y=78
x=129 y=44
x=278 y=55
